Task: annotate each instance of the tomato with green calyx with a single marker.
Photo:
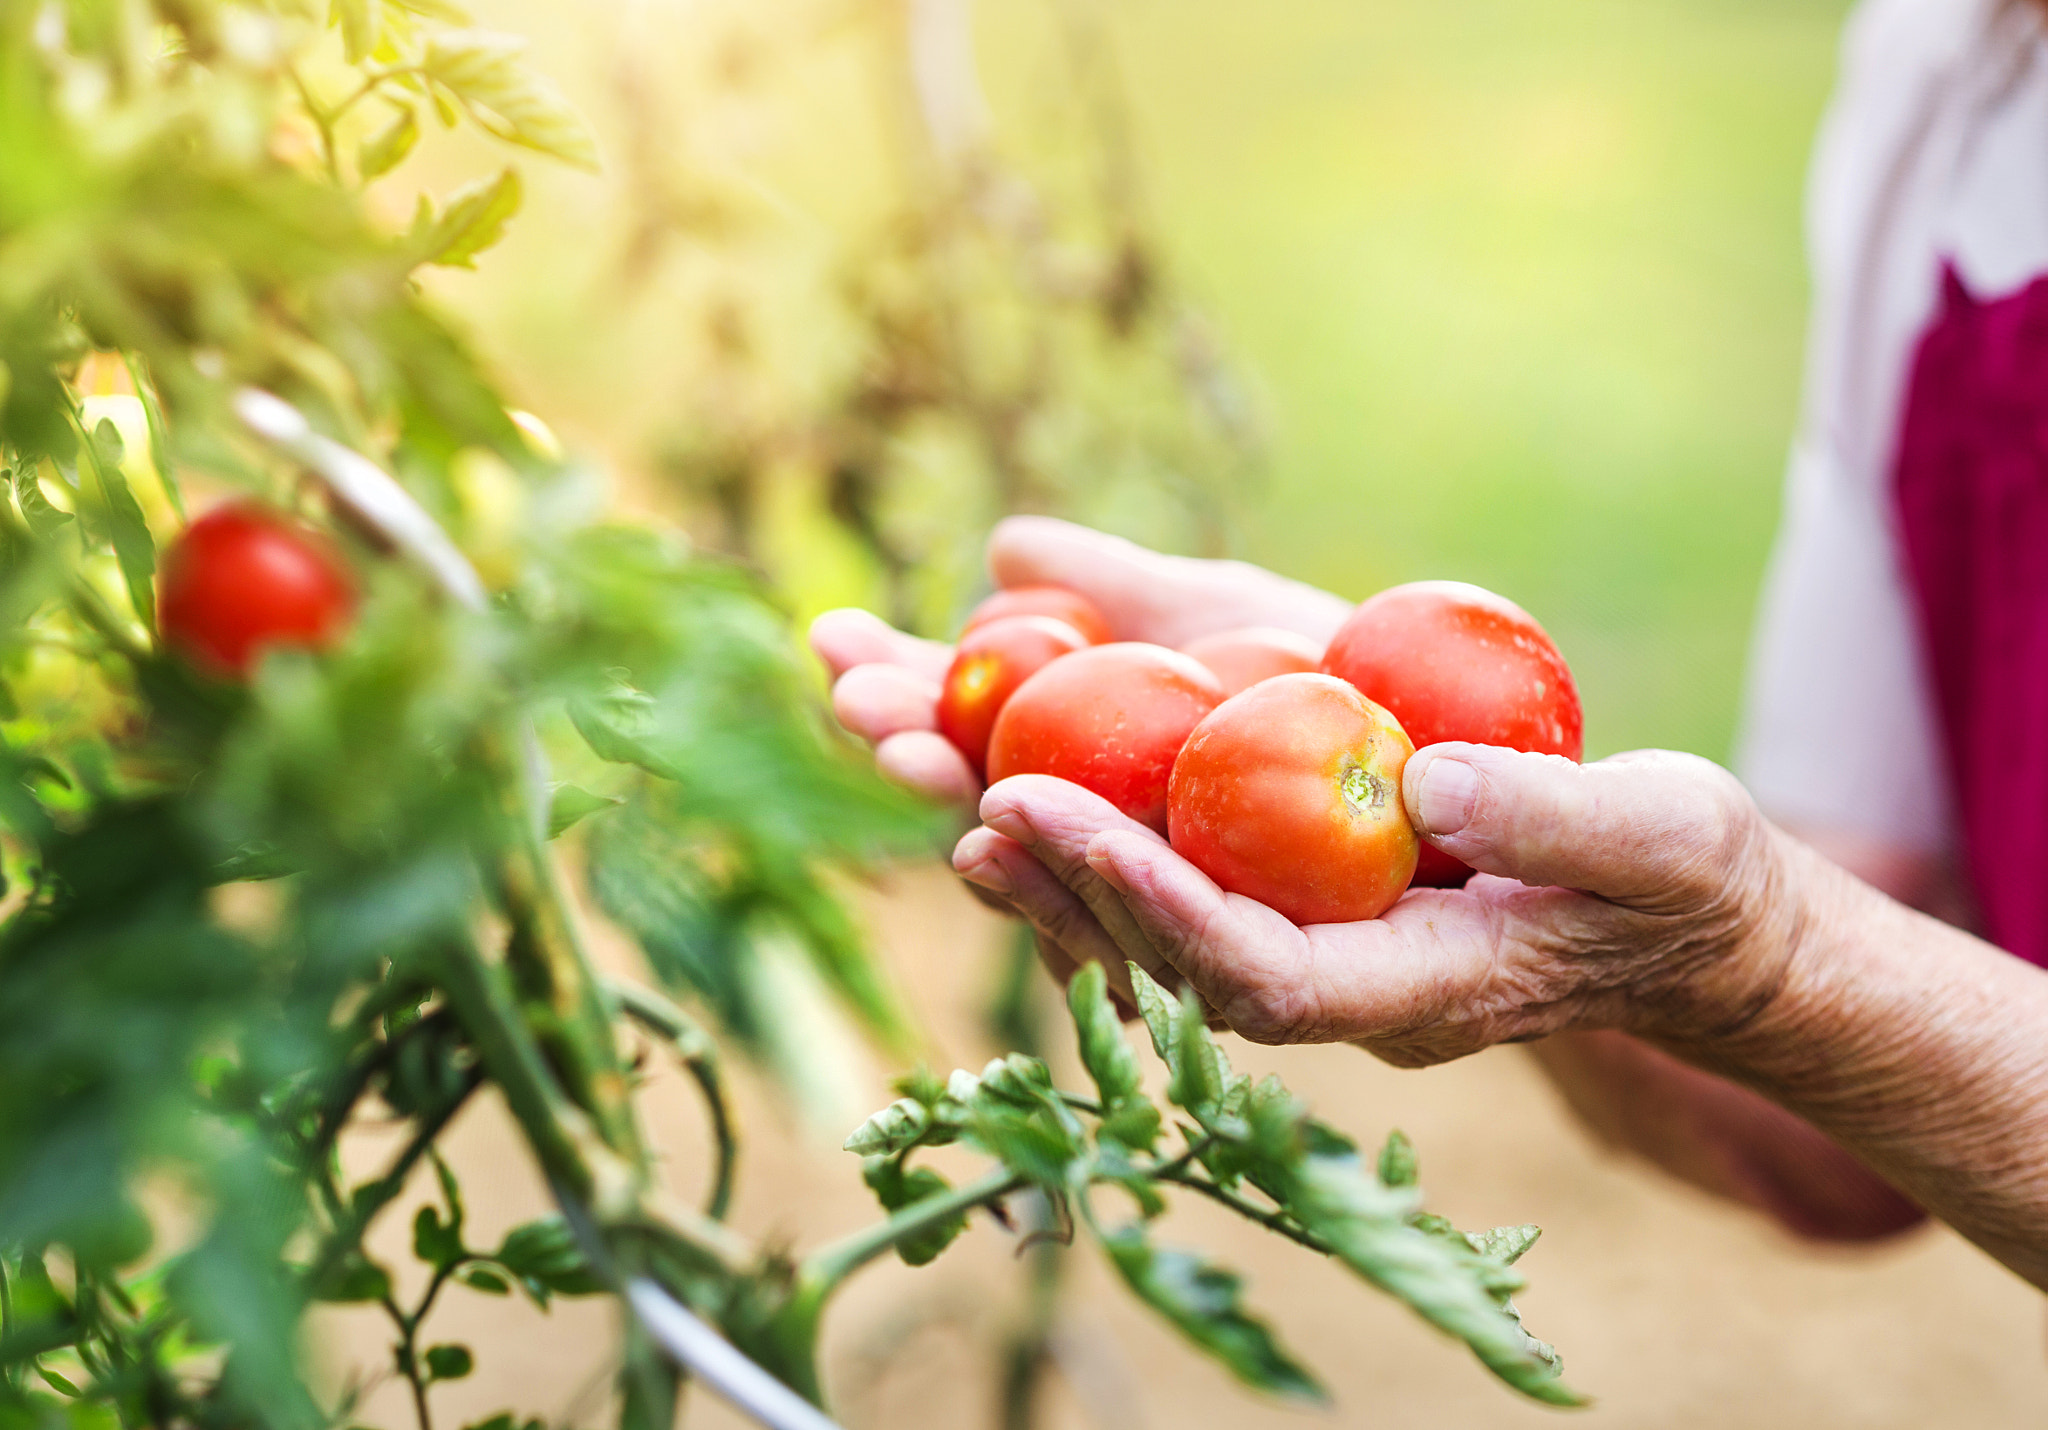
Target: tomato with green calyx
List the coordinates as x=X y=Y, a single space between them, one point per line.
x=1110 y=718
x=245 y=578
x=991 y=662
x=1243 y=657
x=1457 y=662
x=1290 y=793
x=1054 y=601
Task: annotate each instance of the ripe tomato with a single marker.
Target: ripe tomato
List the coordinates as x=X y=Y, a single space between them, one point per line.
x=1456 y=662
x=1055 y=601
x=1247 y=655
x=1290 y=793
x=1110 y=718
x=243 y=578
x=992 y=661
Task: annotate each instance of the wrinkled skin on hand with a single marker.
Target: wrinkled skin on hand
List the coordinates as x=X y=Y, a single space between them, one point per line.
x=1644 y=892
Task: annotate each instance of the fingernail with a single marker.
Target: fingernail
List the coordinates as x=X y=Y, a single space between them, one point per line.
x=1449 y=796
x=1106 y=870
x=989 y=874
x=1007 y=821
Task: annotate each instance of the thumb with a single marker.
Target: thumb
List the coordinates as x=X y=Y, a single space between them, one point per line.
x=1651 y=829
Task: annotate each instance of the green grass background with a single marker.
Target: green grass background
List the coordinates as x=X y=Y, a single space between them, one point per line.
x=1522 y=285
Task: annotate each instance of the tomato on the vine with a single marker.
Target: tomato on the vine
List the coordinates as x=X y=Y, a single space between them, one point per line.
x=244 y=578
x=1456 y=662
x=1290 y=793
x=1247 y=655
x=991 y=662
x=1054 y=601
x=1110 y=718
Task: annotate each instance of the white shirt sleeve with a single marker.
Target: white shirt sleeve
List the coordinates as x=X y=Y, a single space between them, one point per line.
x=1839 y=732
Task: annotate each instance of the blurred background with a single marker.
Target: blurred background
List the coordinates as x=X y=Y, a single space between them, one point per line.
x=1363 y=290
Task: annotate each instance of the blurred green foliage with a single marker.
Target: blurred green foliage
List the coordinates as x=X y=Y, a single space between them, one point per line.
x=1517 y=289
x=237 y=917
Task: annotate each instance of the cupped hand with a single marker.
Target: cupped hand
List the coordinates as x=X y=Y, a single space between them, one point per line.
x=886 y=684
x=1644 y=892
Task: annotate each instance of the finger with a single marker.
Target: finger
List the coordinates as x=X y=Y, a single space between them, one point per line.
x=1147 y=595
x=850 y=636
x=877 y=701
x=1653 y=831
x=1068 y=931
x=929 y=764
x=1244 y=960
x=1436 y=977
x=1054 y=820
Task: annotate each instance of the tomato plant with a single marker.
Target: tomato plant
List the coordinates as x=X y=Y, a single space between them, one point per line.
x=1243 y=657
x=991 y=661
x=1111 y=719
x=187 y=236
x=1290 y=793
x=1453 y=661
x=242 y=579
x=1054 y=601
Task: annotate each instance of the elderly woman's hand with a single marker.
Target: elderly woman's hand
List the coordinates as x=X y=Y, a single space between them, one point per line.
x=1644 y=892
x=886 y=684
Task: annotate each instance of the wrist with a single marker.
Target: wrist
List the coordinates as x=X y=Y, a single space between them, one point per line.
x=1773 y=1012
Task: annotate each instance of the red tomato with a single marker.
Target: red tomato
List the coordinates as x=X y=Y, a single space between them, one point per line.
x=1456 y=662
x=1290 y=793
x=1055 y=601
x=1110 y=718
x=1243 y=657
x=992 y=661
x=244 y=578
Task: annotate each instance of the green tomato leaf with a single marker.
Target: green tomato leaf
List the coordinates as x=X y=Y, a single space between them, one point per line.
x=1108 y=1058
x=1397 y=1164
x=104 y=486
x=433 y=1241
x=896 y=1128
x=897 y=1187
x=57 y=1382
x=353 y=1278
x=1505 y=1244
x=1156 y=1007
x=482 y=69
x=449 y=1362
x=544 y=1255
x=1427 y=1264
x=386 y=149
x=477 y=1278
x=571 y=803
x=1202 y=1301
x=358 y=20
x=451 y=1192
x=159 y=439
x=473 y=221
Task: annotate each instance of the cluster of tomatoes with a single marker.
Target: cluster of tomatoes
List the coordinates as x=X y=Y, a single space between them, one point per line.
x=1271 y=764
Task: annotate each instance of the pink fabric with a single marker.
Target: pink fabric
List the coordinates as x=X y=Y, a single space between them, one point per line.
x=1971 y=485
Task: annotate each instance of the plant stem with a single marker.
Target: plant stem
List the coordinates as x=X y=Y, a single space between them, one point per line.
x=350 y=1233
x=1173 y=1169
x=1272 y=1221
x=696 y=1052
x=830 y=1265
x=322 y=120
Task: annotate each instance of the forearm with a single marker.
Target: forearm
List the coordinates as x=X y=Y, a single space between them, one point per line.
x=1917 y=1047
x=1721 y=1138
